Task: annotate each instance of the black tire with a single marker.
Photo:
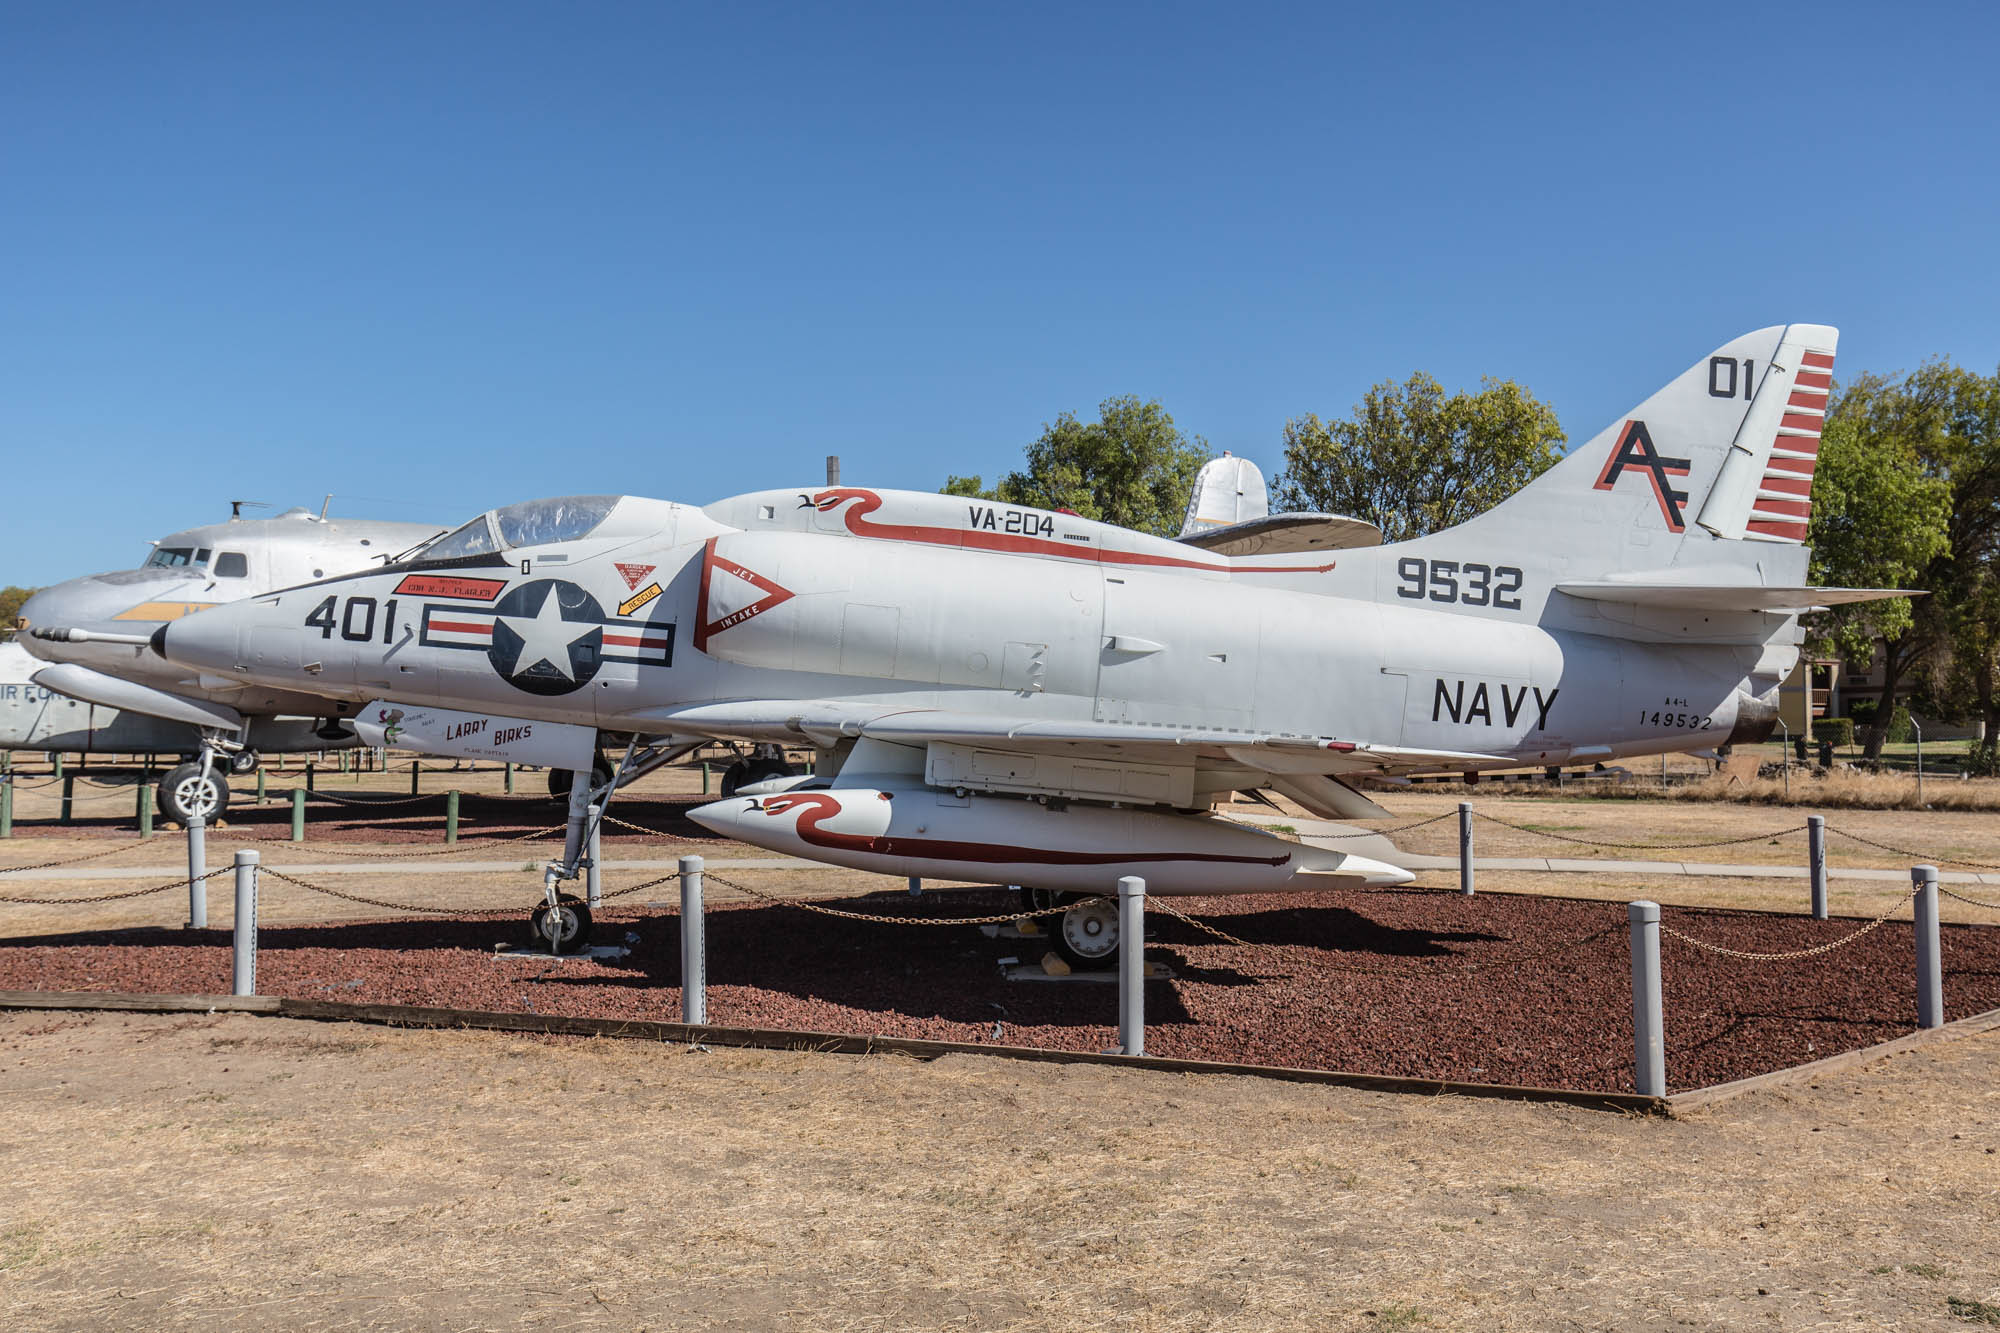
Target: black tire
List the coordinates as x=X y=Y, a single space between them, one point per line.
x=562 y=779
x=189 y=787
x=1086 y=936
x=745 y=772
x=243 y=763
x=574 y=936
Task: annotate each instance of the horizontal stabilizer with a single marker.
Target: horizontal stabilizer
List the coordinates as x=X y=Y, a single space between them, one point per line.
x=1738 y=597
x=1286 y=534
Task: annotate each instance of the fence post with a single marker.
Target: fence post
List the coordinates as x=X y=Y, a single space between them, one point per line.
x=593 y=876
x=197 y=846
x=694 y=956
x=68 y=796
x=311 y=775
x=260 y=784
x=451 y=815
x=1930 y=963
x=510 y=779
x=298 y=815
x=1920 y=760
x=1649 y=1052
x=7 y=806
x=704 y=777
x=145 y=810
x=916 y=886
x=1132 y=965
x=59 y=764
x=1465 y=848
x=243 y=969
x=1816 y=863
x=416 y=772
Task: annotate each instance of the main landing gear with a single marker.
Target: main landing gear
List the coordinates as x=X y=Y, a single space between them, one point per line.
x=1085 y=936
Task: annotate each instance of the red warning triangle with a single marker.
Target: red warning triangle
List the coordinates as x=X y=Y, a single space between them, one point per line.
x=633 y=574
x=720 y=578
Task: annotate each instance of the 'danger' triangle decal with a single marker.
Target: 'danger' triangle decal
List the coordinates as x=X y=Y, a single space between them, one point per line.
x=718 y=577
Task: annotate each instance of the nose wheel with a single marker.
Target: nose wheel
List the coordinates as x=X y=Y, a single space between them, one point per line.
x=563 y=928
x=193 y=789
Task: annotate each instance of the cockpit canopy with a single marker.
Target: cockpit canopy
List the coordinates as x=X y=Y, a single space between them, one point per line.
x=176 y=557
x=565 y=518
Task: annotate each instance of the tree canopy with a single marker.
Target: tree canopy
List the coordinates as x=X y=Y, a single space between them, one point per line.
x=1414 y=460
x=1132 y=466
x=11 y=599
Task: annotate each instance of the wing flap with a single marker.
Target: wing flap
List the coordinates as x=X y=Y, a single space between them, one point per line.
x=1717 y=597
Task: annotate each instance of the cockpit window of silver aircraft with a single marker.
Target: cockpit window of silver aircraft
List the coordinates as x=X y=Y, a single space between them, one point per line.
x=530 y=523
x=175 y=557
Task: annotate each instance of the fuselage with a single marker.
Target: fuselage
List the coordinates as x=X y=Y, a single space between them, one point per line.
x=926 y=601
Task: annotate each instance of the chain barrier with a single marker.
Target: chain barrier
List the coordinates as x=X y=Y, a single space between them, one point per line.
x=74 y=860
x=114 y=897
x=1642 y=846
x=808 y=905
x=338 y=799
x=1991 y=907
x=363 y=898
x=400 y=854
x=1380 y=832
x=1790 y=954
x=1919 y=856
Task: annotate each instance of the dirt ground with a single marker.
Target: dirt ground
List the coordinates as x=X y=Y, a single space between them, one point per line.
x=184 y=1171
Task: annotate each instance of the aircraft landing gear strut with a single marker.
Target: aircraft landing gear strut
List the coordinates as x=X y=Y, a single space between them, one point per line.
x=561 y=922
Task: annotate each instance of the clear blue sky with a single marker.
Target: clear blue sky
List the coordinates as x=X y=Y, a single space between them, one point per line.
x=437 y=257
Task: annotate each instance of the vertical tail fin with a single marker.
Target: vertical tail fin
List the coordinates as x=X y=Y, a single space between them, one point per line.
x=1764 y=491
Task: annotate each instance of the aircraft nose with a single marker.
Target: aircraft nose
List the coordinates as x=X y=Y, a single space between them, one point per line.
x=66 y=605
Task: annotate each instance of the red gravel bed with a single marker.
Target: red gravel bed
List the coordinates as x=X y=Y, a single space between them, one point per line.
x=1422 y=983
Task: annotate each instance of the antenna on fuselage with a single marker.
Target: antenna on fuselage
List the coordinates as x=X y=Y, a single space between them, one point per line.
x=833 y=469
x=236 y=507
x=325 y=505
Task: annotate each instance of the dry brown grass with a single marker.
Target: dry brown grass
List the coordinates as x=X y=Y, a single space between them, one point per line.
x=1837 y=789
x=238 y=1172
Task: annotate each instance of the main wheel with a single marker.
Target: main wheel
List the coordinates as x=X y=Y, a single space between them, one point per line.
x=562 y=779
x=566 y=930
x=745 y=772
x=1086 y=936
x=191 y=789
x=244 y=762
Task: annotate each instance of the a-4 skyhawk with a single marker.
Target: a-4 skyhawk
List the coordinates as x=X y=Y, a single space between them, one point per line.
x=1016 y=696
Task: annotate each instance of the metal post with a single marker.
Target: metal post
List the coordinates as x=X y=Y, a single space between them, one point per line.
x=145 y=810
x=593 y=877
x=260 y=784
x=416 y=772
x=916 y=886
x=1920 y=758
x=1816 y=863
x=1465 y=848
x=1785 y=756
x=243 y=971
x=58 y=759
x=197 y=842
x=694 y=956
x=298 y=815
x=1132 y=965
x=833 y=469
x=1930 y=963
x=7 y=806
x=1649 y=1052
x=451 y=815
x=704 y=777
x=68 y=797
x=510 y=779
x=311 y=774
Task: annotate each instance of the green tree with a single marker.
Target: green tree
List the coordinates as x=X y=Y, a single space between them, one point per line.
x=1940 y=424
x=1414 y=460
x=10 y=604
x=1132 y=466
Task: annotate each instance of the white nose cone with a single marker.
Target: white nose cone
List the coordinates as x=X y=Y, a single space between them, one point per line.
x=1084 y=849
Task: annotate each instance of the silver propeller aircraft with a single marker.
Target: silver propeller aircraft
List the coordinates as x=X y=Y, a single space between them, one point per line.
x=1011 y=695
x=93 y=687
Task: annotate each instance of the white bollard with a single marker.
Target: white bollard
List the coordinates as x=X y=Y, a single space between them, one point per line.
x=243 y=970
x=197 y=838
x=1649 y=1051
x=1132 y=965
x=593 y=878
x=1816 y=861
x=1465 y=848
x=694 y=957
x=1930 y=960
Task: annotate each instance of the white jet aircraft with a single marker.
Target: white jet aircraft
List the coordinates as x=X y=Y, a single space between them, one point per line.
x=79 y=677
x=1016 y=696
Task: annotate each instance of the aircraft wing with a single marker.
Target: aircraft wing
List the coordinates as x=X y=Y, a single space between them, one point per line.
x=1722 y=597
x=1286 y=534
